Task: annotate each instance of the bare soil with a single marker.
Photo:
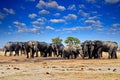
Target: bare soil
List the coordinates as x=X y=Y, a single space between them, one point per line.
x=53 y=68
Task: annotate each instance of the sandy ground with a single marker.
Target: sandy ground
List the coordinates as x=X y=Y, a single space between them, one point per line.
x=52 y=68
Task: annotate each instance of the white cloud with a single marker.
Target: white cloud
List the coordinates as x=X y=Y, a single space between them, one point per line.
x=93 y=17
x=78 y=28
x=57 y=14
x=49 y=28
x=2 y=16
x=33 y=15
x=72 y=7
x=114 y=30
x=19 y=24
x=62 y=8
x=82 y=13
x=116 y=25
x=10 y=11
x=91 y=1
x=57 y=20
x=70 y=17
x=112 y=1
x=39 y=21
x=50 y=4
x=94 y=23
x=90 y=21
x=22 y=28
x=81 y=6
x=44 y=12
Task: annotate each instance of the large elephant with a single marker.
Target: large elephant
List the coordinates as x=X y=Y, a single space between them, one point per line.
x=71 y=51
x=22 y=50
x=32 y=48
x=45 y=49
x=58 y=49
x=10 y=47
x=88 y=49
x=106 y=46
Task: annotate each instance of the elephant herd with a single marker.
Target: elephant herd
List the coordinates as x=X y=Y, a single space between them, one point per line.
x=87 y=49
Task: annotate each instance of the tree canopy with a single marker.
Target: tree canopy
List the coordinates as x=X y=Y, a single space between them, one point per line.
x=72 y=41
x=57 y=40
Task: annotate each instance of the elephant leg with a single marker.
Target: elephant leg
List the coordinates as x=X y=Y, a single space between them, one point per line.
x=89 y=55
x=16 y=53
x=61 y=54
x=32 y=56
x=109 y=54
x=10 y=53
x=115 y=55
x=27 y=54
x=36 y=53
x=5 y=53
x=31 y=53
x=45 y=54
x=41 y=54
x=50 y=53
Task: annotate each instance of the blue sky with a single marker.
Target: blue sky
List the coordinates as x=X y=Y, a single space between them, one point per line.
x=42 y=20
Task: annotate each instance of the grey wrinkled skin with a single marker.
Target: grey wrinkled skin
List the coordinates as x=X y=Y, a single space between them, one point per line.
x=71 y=51
x=106 y=46
x=10 y=47
x=45 y=49
x=88 y=48
x=58 y=49
x=31 y=47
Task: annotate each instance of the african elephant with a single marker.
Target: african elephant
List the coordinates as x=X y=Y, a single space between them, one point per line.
x=58 y=49
x=71 y=51
x=88 y=48
x=32 y=48
x=106 y=46
x=10 y=47
x=45 y=49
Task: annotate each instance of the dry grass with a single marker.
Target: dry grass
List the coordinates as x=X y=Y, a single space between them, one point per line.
x=20 y=68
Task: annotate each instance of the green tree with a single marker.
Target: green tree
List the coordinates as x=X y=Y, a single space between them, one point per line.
x=72 y=41
x=57 y=40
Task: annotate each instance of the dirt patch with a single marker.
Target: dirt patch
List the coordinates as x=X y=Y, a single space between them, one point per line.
x=52 y=68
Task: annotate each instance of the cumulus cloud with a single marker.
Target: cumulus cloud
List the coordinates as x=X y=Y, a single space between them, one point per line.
x=91 y=1
x=116 y=25
x=70 y=17
x=96 y=24
x=78 y=28
x=90 y=21
x=93 y=22
x=49 y=28
x=82 y=13
x=81 y=6
x=39 y=21
x=93 y=17
x=57 y=20
x=33 y=15
x=19 y=24
x=112 y=1
x=72 y=7
x=10 y=11
x=2 y=16
x=44 y=12
x=114 y=30
x=22 y=28
x=50 y=4
x=57 y=14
